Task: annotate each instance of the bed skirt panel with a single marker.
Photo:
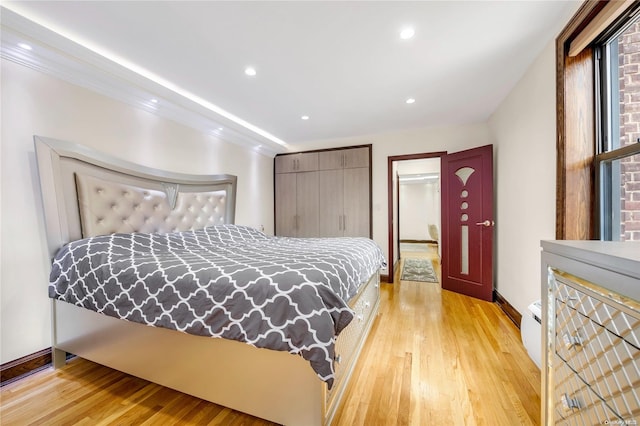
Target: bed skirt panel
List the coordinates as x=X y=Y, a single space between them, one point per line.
x=273 y=385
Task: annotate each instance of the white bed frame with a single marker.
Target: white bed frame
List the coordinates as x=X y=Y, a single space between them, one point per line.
x=273 y=385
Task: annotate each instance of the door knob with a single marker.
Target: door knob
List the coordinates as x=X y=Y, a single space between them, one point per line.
x=486 y=223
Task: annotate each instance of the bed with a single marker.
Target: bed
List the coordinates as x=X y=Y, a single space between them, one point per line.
x=119 y=221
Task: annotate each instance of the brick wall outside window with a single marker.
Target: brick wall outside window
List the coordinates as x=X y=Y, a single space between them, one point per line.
x=629 y=74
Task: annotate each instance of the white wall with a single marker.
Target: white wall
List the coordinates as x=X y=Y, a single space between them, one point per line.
x=34 y=103
x=422 y=166
x=419 y=208
x=411 y=141
x=419 y=203
x=524 y=131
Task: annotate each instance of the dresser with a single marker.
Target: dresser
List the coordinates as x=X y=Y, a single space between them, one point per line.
x=591 y=332
x=323 y=193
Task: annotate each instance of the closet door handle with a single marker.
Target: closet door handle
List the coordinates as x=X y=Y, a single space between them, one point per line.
x=340 y=223
x=344 y=222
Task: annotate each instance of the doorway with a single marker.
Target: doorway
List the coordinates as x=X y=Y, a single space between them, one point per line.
x=394 y=191
x=467 y=219
x=418 y=211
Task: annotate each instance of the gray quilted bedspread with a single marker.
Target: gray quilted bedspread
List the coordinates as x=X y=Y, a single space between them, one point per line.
x=286 y=294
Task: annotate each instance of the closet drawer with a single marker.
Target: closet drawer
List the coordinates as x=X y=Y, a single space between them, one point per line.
x=351 y=339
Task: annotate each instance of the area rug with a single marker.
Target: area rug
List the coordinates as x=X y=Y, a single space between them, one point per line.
x=418 y=270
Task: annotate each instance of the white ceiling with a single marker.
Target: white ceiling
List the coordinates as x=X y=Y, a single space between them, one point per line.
x=341 y=63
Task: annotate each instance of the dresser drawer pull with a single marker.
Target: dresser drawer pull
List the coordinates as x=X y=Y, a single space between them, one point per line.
x=571 y=341
x=360 y=318
x=569 y=300
x=568 y=403
x=338 y=358
x=367 y=304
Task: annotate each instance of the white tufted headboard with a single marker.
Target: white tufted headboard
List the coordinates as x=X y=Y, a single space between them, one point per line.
x=87 y=193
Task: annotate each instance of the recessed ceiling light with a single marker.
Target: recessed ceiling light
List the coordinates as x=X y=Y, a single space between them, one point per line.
x=250 y=71
x=410 y=101
x=407 y=33
x=220 y=129
x=155 y=101
x=24 y=46
x=305 y=117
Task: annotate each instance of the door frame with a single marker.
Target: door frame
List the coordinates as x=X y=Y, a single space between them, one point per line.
x=390 y=206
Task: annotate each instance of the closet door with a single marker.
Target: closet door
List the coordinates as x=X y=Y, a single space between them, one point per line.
x=331 y=203
x=286 y=163
x=307 y=204
x=330 y=160
x=286 y=196
x=343 y=159
x=356 y=157
x=291 y=163
x=324 y=193
x=307 y=162
x=356 y=202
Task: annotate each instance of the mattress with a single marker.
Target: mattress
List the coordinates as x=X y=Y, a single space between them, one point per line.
x=226 y=281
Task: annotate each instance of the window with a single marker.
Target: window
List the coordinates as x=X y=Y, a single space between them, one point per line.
x=617 y=159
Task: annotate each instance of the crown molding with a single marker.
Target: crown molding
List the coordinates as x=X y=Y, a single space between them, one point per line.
x=60 y=57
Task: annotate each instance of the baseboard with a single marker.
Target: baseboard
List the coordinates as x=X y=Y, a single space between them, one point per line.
x=29 y=364
x=21 y=367
x=507 y=308
x=419 y=241
x=384 y=278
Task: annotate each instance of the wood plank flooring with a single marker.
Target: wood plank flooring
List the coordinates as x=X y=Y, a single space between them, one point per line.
x=433 y=357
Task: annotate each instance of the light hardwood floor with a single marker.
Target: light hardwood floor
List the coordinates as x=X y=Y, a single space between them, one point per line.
x=433 y=358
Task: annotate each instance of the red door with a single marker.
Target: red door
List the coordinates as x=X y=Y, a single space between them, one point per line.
x=467 y=222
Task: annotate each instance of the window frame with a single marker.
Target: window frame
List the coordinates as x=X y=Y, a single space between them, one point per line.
x=607 y=114
x=577 y=126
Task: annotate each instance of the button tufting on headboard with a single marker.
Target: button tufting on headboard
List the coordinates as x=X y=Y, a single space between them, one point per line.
x=108 y=207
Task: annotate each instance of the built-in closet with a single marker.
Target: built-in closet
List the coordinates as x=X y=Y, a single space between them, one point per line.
x=324 y=193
